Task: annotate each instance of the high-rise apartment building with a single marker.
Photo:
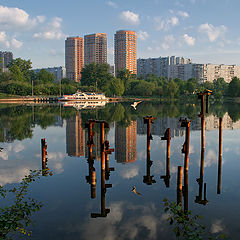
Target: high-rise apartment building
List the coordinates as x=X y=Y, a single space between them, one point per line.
x=95 y=48
x=5 y=59
x=125 y=51
x=74 y=58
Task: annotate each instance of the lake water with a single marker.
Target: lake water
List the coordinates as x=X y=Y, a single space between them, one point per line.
x=76 y=208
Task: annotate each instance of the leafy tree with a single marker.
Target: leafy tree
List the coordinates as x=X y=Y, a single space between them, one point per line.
x=24 y=67
x=234 y=87
x=96 y=75
x=116 y=87
x=44 y=77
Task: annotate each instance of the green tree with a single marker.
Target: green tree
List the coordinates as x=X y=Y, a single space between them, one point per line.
x=44 y=77
x=234 y=87
x=96 y=75
x=24 y=67
x=116 y=87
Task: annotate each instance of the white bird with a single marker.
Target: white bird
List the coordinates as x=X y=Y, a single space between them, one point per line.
x=134 y=105
x=134 y=190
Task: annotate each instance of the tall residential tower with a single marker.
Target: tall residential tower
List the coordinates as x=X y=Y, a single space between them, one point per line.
x=125 y=51
x=95 y=48
x=74 y=58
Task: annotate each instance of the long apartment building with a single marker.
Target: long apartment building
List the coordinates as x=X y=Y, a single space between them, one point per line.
x=159 y=66
x=74 y=58
x=183 y=68
x=204 y=72
x=5 y=59
x=125 y=51
x=95 y=48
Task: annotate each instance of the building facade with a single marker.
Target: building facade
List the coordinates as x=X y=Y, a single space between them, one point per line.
x=125 y=51
x=161 y=66
x=95 y=48
x=59 y=72
x=5 y=59
x=74 y=58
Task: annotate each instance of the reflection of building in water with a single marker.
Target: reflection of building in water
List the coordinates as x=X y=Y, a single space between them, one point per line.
x=75 y=136
x=212 y=122
x=160 y=125
x=126 y=142
x=96 y=147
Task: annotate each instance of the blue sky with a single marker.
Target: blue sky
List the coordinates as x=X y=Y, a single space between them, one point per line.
x=207 y=31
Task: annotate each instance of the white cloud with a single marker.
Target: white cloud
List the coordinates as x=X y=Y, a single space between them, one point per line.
x=168 y=40
x=189 y=40
x=165 y=24
x=9 y=42
x=183 y=14
x=16 y=19
x=112 y=4
x=130 y=17
x=149 y=48
x=4 y=155
x=143 y=35
x=212 y=32
x=52 y=31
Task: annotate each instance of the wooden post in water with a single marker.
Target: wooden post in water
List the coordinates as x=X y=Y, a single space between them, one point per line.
x=167 y=137
x=107 y=152
x=148 y=179
x=220 y=156
x=179 y=185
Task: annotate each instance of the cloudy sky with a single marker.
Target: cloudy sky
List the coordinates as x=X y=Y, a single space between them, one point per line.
x=205 y=30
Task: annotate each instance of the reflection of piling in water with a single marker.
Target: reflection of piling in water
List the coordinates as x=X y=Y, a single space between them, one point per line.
x=179 y=185
x=105 y=151
x=200 y=179
x=167 y=137
x=220 y=156
x=91 y=178
x=148 y=179
x=186 y=123
x=44 y=158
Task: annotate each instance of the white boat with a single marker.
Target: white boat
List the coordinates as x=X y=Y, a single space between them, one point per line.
x=81 y=96
x=84 y=104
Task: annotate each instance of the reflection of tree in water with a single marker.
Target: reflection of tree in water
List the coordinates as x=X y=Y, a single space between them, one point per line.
x=17 y=121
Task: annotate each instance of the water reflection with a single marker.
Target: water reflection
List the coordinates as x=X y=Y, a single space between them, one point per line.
x=91 y=155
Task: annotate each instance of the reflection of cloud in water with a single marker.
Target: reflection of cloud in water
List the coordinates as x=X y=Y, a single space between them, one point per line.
x=143 y=222
x=4 y=155
x=142 y=155
x=129 y=172
x=191 y=149
x=18 y=147
x=211 y=158
x=55 y=159
x=217 y=226
x=12 y=175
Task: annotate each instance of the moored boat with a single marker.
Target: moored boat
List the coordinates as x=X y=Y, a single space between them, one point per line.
x=82 y=96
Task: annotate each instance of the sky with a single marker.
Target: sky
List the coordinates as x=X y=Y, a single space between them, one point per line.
x=207 y=31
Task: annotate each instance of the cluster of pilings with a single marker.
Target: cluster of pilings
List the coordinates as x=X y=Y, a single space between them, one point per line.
x=105 y=169
x=182 y=186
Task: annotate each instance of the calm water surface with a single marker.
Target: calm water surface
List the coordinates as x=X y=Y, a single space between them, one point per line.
x=74 y=210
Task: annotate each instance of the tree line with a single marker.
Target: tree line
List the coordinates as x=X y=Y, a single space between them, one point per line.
x=21 y=80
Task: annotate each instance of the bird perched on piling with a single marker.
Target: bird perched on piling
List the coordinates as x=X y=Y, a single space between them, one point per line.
x=134 y=190
x=134 y=105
